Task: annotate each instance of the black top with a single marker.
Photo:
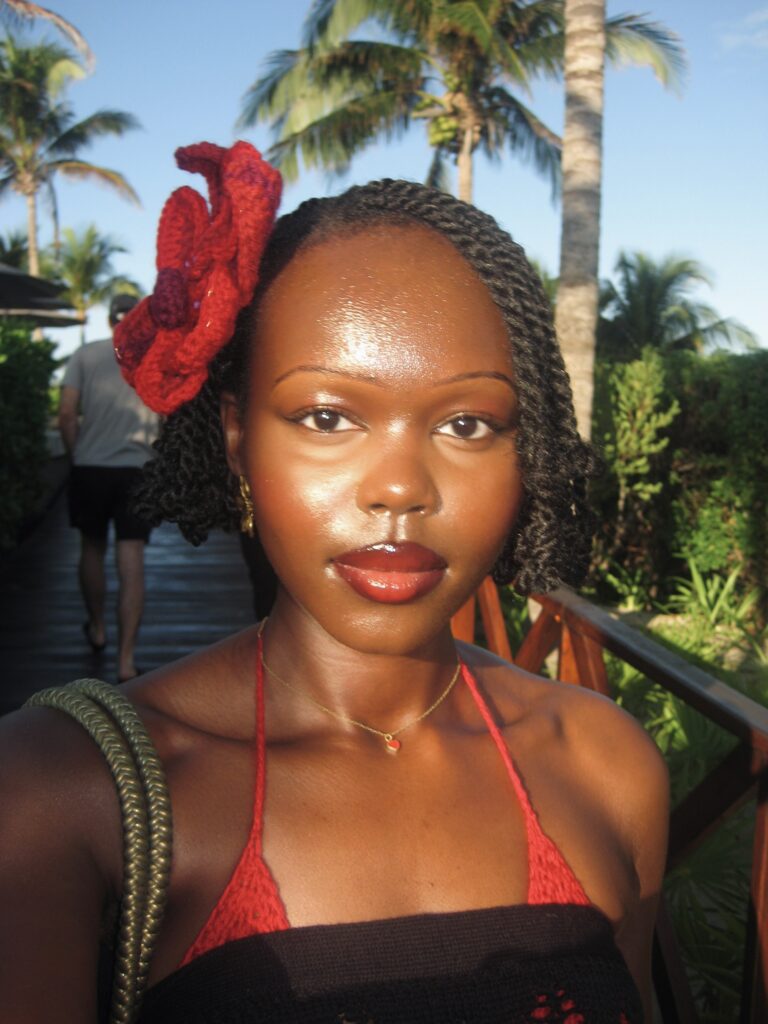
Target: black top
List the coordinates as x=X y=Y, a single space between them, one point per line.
x=554 y=963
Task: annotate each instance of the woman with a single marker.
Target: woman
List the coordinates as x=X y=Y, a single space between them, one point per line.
x=371 y=823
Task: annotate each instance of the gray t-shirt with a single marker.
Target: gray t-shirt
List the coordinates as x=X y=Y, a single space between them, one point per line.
x=116 y=428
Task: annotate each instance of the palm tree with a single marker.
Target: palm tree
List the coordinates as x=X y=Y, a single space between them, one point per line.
x=84 y=264
x=23 y=10
x=39 y=136
x=651 y=306
x=450 y=63
x=576 y=311
x=588 y=40
x=14 y=249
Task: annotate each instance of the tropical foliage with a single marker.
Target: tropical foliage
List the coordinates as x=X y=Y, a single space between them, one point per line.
x=14 y=250
x=84 y=264
x=25 y=370
x=686 y=479
x=652 y=303
x=462 y=68
x=40 y=137
x=22 y=10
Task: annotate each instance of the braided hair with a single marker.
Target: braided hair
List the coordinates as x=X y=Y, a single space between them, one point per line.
x=189 y=482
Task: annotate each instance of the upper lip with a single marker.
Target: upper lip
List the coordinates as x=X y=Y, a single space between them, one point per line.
x=391 y=556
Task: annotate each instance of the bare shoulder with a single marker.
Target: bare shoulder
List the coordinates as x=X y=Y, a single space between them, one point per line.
x=60 y=823
x=57 y=795
x=60 y=864
x=590 y=736
x=54 y=772
x=205 y=696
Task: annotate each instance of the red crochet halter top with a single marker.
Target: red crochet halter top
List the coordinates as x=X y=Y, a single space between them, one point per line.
x=251 y=903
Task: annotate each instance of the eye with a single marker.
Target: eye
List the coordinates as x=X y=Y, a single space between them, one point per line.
x=467 y=428
x=325 y=421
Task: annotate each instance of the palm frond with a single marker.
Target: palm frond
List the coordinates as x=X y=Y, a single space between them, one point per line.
x=302 y=78
x=330 y=21
x=82 y=134
x=632 y=39
x=84 y=171
x=331 y=141
x=27 y=11
x=535 y=31
x=509 y=122
x=6 y=183
x=467 y=19
x=439 y=175
x=272 y=94
x=62 y=73
x=373 y=59
x=650 y=305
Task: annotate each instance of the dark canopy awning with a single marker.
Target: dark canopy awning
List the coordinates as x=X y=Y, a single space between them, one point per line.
x=35 y=299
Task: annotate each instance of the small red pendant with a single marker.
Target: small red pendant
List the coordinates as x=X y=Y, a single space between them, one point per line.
x=393 y=745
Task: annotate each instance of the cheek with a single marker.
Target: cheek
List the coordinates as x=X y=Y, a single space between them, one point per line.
x=295 y=498
x=493 y=511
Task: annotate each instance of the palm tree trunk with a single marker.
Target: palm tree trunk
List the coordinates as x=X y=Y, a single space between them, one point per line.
x=464 y=162
x=577 y=294
x=32 y=257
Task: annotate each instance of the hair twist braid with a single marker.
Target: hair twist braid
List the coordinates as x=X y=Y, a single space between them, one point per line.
x=189 y=482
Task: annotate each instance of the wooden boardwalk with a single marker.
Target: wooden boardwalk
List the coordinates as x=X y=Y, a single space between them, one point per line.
x=194 y=597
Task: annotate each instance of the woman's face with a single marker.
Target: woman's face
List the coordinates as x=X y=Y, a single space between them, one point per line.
x=379 y=437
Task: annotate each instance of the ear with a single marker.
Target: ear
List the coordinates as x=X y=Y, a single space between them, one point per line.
x=232 y=427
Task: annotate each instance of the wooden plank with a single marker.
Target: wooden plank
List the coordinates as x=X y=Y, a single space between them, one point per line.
x=590 y=663
x=567 y=669
x=715 y=798
x=493 y=619
x=580 y=661
x=194 y=597
x=463 y=622
x=729 y=708
x=541 y=638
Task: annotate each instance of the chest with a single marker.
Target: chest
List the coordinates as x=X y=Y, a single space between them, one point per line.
x=381 y=836
x=351 y=834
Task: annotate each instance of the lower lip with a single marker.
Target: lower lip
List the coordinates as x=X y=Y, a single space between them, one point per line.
x=389 y=587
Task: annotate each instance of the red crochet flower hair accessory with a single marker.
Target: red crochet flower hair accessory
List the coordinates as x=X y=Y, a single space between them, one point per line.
x=207 y=269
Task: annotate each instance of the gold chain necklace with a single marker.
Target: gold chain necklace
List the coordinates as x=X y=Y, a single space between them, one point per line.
x=390 y=738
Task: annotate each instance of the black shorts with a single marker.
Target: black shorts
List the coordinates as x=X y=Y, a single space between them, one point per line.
x=100 y=493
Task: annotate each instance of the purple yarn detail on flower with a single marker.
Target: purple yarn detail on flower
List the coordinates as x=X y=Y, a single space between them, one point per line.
x=168 y=303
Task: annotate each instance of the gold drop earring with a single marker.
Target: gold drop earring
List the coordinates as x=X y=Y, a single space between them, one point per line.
x=246 y=508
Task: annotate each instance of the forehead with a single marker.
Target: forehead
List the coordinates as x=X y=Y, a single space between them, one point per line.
x=399 y=300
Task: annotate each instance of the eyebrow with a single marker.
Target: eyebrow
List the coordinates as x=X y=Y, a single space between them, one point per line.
x=370 y=379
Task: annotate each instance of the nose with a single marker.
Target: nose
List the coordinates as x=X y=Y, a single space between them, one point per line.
x=398 y=480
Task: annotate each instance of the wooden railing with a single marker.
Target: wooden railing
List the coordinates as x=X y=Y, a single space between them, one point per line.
x=581 y=633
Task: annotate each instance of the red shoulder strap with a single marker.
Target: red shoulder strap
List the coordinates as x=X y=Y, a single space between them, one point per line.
x=550 y=879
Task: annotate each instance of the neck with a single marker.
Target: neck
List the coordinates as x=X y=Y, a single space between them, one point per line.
x=384 y=684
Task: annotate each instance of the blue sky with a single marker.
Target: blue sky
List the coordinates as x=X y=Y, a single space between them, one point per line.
x=683 y=173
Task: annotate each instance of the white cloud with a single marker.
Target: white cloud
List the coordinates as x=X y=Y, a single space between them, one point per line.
x=750 y=31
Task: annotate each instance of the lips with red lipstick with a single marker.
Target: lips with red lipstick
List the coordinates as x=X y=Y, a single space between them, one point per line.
x=391 y=573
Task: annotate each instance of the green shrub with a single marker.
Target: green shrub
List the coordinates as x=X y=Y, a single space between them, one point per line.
x=633 y=416
x=685 y=442
x=720 y=463
x=25 y=371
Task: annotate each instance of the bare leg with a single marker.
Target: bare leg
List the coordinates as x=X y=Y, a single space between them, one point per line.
x=130 y=572
x=93 y=583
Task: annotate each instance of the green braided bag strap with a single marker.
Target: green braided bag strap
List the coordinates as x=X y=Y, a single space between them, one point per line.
x=113 y=723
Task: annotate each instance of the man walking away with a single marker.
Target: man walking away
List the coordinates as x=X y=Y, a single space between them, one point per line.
x=108 y=432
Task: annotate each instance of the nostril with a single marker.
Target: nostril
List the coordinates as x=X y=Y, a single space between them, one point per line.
x=381 y=508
